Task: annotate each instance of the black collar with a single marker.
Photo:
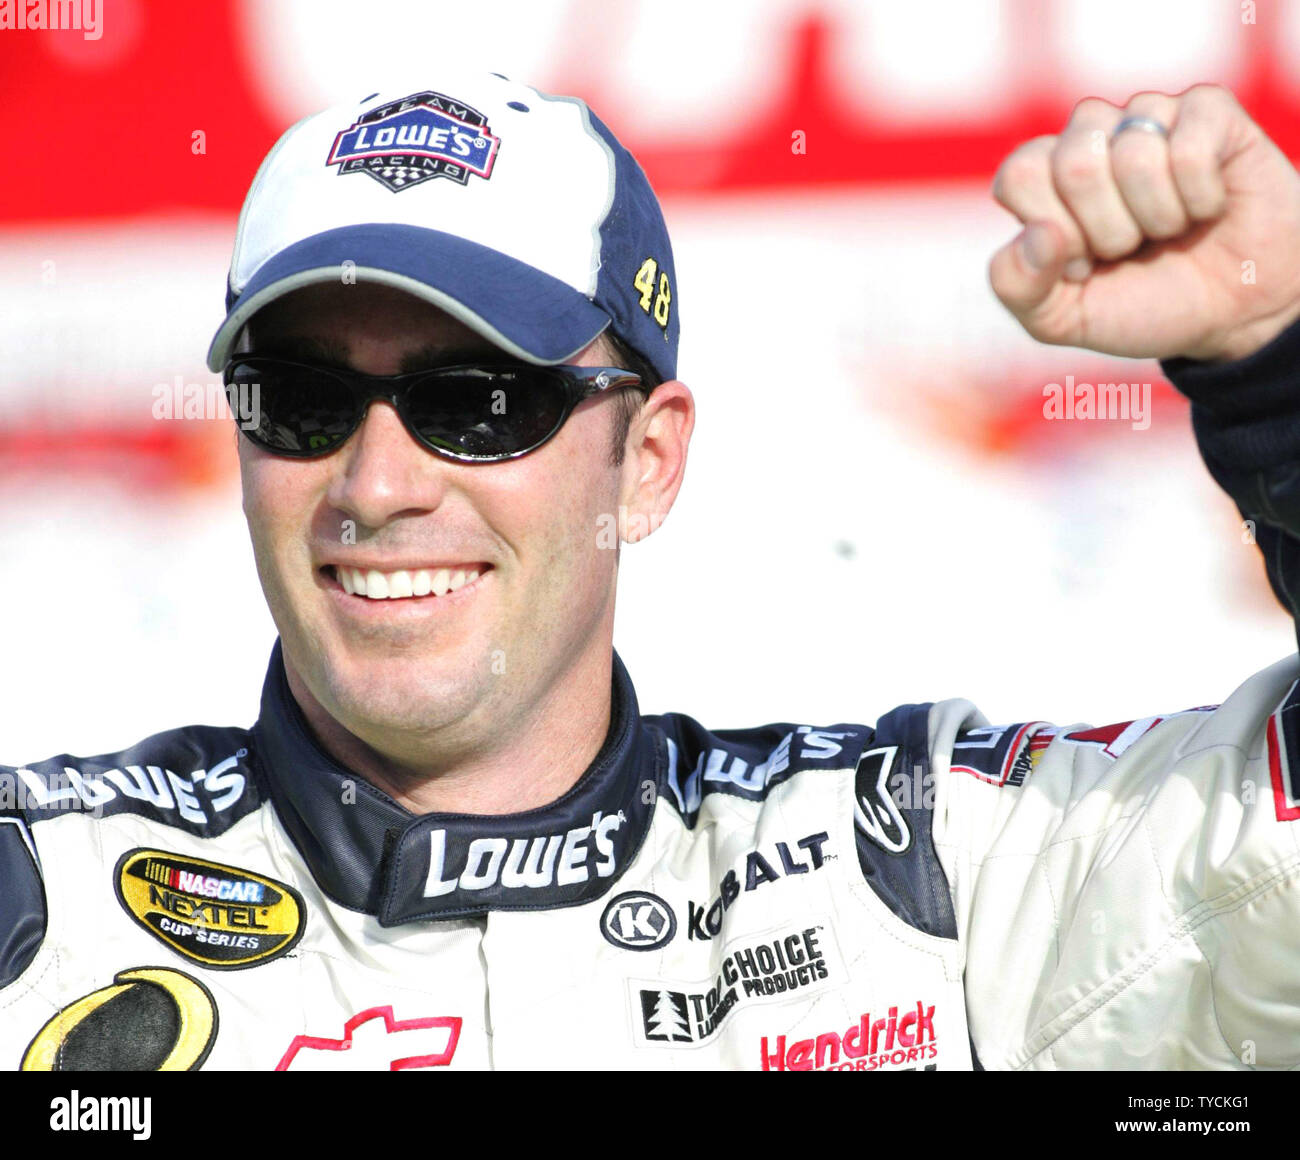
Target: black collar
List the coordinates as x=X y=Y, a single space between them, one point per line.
x=370 y=854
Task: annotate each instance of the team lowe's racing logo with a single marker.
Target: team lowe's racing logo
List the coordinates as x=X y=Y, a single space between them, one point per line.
x=220 y=916
x=408 y=142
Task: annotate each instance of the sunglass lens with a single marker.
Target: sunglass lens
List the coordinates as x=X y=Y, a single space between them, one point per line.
x=487 y=414
x=296 y=410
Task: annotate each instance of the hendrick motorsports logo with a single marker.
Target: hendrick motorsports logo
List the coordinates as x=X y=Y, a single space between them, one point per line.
x=890 y=1042
x=638 y=921
x=754 y=969
x=411 y=141
x=220 y=916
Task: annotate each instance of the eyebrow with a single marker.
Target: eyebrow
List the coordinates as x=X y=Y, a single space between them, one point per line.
x=433 y=356
x=326 y=350
x=335 y=353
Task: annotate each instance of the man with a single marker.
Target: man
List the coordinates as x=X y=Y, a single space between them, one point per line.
x=451 y=840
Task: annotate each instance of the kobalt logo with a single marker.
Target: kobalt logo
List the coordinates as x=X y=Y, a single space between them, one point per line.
x=638 y=921
x=903 y=1043
x=531 y=863
x=675 y=1015
x=704 y=923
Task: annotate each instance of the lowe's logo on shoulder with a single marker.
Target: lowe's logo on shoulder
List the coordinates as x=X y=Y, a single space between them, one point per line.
x=721 y=770
x=199 y=796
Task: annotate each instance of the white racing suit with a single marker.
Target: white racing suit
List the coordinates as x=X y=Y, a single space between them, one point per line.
x=928 y=893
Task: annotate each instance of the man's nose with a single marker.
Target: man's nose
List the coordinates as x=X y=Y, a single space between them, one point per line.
x=385 y=473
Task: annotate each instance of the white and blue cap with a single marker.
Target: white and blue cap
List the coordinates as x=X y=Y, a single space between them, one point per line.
x=517 y=212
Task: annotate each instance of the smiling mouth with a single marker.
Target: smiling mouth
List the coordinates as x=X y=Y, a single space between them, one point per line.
x=404 y=584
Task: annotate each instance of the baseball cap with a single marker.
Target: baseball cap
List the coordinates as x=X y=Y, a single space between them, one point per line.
x=515 y=211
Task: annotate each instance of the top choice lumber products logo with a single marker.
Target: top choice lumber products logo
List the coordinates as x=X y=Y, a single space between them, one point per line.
x=760 y=967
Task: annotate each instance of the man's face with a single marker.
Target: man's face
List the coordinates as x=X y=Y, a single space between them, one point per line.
x=472 y=660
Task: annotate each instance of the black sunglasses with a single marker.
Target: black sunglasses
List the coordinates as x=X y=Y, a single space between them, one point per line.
x=472 y=413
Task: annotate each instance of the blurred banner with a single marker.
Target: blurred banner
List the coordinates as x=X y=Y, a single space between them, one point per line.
x=877 y=509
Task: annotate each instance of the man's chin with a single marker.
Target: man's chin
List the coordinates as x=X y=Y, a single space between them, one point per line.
x=407 y=693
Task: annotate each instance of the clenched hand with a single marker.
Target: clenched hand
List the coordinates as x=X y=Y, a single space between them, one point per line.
x=1148 y=246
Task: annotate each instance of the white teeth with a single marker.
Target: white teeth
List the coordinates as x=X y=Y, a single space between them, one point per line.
x=398 y=585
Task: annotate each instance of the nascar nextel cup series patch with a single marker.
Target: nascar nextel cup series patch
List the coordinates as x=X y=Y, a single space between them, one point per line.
x=220 y=916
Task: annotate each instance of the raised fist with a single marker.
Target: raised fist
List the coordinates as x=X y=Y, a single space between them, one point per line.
x=1168 y=227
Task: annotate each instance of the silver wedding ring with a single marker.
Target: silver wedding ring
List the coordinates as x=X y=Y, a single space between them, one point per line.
x=1146 y=124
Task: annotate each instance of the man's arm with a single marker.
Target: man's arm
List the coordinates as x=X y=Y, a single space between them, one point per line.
x=1246 y=415
x=1170 y=228
x=1128 y=896
x=22 y=894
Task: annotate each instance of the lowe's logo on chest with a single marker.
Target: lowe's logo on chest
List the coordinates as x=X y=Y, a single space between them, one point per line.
x=704 y=922
x=533 y=862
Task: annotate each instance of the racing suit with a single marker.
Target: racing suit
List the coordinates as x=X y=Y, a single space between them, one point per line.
x=930 y=892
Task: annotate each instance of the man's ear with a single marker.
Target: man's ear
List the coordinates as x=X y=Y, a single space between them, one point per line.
x=655 y=459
